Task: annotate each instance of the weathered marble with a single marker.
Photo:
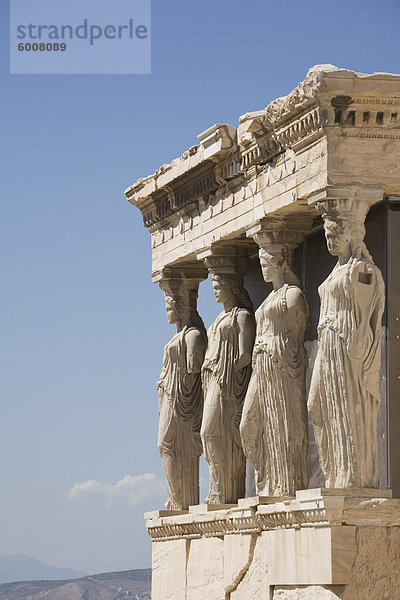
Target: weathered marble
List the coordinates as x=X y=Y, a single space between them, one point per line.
x=291 y=550
x=205 y=564
x=274 y=421
x=344 y=393
x=372 y=512
x=225 y=374
x=274 y=162
x=310 y=592
x=254 y=582
x=374 y=574
x=333 y=140
x=238 y=555
x=311 y=555
x=168 y=583
x=180 y=394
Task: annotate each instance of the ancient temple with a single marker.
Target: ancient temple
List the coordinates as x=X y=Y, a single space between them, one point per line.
x=294 y=216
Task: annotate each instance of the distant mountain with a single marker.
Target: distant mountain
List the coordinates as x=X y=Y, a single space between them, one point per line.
x=19 y=567
x=120 y=585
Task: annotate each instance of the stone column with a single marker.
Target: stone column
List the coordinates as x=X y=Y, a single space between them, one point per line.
x=344 y=394
x=179 y=387
x=274 y=421
x=226 y=373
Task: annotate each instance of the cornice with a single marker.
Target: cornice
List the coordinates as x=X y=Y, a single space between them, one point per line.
x=330 y=103
x=310 y=508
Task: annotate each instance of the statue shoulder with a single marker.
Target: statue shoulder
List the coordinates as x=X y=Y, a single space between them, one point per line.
x=194 y=335
x=295 y=297
x=244 y=316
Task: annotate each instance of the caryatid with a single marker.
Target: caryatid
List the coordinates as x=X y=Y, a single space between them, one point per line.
x=274 y=420
x=226 y=374
x=344 y=394
x=180 y=393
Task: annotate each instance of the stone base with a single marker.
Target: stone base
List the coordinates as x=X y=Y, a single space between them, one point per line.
x=321 y=545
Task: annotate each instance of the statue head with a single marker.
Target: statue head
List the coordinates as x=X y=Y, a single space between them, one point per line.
x=338 y=236
x=174 y=308
x=181 y=306
x=344 y=227
x=276 y=263
x=225 y=286
x=228 y=288
x=227 y=268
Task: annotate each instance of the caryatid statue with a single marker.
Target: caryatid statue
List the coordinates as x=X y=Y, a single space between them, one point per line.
x=274 y=420
x=180 y=393
x=225 y=375
x=344 y=395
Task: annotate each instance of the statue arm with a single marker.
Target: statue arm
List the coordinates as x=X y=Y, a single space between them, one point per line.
x=298 y=308
x=364 y=284
x=247 y=333
x=295 y=297
x=291 y=356
x=195 y=350
x=364 y=345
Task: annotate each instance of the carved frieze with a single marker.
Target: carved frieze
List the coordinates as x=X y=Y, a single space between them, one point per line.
x=180 y=196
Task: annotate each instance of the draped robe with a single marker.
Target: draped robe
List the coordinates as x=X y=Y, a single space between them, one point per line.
x=344 y=393
x=224 y=391
x=274 y=421
x=180 y=407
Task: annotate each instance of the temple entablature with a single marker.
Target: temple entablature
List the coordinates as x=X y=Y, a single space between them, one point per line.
x=337 y=134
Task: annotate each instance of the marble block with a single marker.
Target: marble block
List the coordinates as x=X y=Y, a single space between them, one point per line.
x=311 y=555
x=205 y=567
x=200 y=509
x=322 y=545
x=169 y=570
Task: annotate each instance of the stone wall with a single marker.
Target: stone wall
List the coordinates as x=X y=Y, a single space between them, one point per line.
x=347 y=548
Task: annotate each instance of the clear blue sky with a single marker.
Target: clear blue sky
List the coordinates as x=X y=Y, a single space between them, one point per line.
x=82 y=326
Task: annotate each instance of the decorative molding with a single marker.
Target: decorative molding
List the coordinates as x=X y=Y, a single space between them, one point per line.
x=309 y=509
x=288 y=229
x=182 y=195
x=263 y=151
x=191 y=273
x=301 y=132
x=381 y=100
x=234 y=524
x=275 y=161
x=216 y=139
x=362 y=134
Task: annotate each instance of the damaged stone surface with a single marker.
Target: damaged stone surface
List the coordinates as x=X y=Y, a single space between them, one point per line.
x=237 y=554
x=336 y=127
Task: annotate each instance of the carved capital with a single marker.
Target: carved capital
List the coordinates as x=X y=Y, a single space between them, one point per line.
x=179 y=280
x=274 y=234
x=344 y=212
x=346 y=206
x=359 y=193
x=225 y=259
